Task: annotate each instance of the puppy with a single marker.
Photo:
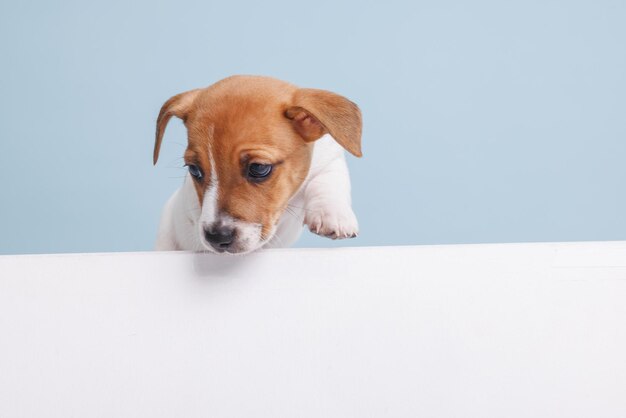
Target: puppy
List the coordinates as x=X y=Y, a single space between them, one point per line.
x=264 y=157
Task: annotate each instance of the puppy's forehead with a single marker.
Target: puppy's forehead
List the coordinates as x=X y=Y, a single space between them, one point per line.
x=237 y=116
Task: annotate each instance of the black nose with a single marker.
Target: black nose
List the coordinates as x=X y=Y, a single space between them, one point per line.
x=220 y=237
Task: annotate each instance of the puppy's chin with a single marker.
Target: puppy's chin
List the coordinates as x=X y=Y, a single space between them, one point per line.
x=248 y=240
x=235 y=250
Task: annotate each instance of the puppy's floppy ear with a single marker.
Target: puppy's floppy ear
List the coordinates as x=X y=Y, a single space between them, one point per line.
x=178 y=106
x=316 y=112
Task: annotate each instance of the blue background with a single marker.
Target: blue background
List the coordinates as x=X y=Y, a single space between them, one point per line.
x=484 y=121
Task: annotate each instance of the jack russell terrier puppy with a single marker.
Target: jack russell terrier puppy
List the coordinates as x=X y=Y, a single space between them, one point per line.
x=264 y=158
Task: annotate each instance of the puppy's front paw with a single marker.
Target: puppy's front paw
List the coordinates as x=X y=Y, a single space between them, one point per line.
x=332 y=222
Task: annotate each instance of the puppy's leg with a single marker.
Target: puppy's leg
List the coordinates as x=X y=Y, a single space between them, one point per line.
x=328 y=205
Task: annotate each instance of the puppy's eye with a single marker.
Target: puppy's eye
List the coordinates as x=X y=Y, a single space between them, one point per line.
x=195 y=171
x=259 y=171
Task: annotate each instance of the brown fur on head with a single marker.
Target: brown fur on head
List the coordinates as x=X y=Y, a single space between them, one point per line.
x=245 y=120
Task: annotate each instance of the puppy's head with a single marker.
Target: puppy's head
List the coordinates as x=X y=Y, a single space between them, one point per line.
x=250 y=142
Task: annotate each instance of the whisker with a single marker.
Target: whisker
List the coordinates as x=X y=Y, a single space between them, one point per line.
x=294 y=214
x=291 y=206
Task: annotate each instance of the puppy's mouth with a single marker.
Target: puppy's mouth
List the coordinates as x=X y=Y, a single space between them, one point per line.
x=233 y=238
x=232 y=250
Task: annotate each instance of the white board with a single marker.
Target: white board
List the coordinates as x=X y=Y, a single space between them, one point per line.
x=513 y=330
